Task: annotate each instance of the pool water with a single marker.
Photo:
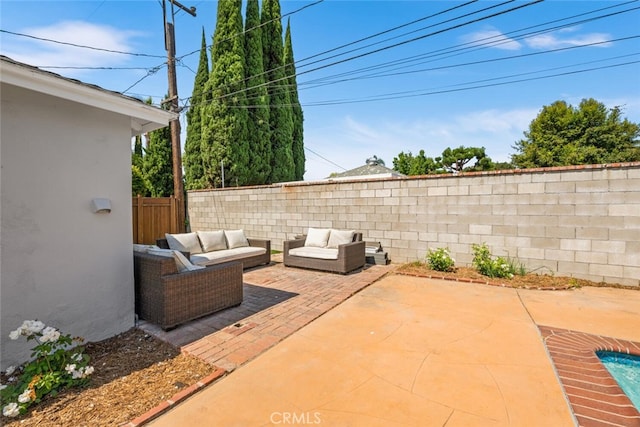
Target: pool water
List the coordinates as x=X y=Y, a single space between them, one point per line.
x=625 y=369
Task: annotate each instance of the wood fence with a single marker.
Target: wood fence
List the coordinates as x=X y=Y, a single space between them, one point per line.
x=155 y=216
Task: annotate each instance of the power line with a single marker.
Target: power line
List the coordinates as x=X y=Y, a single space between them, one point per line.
x=324 y=158
x=439 y=92
x=471 y=46
x=79 y=45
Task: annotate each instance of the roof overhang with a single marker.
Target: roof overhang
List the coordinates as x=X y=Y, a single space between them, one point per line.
x=144 y=117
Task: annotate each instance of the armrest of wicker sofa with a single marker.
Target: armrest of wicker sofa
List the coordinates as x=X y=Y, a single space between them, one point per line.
x=260 y=243
x=292 y=244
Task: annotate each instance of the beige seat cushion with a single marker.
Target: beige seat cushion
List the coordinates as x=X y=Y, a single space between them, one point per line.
x=313 y=252
x=217 y=257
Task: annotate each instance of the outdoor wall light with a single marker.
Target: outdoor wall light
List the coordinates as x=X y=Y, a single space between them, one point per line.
x=100 y=205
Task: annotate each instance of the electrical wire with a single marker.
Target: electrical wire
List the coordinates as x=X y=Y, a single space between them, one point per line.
x=79 y=45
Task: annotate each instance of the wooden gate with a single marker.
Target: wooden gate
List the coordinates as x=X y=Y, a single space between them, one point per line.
x=153 y=217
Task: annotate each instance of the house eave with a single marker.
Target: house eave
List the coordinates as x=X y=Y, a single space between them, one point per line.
x=144 y=118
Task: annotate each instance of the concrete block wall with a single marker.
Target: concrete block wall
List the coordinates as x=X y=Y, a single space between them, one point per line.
x=580 y=221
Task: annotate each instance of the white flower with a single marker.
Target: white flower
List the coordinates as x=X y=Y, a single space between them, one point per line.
x=77 y=357
x=11 y=410
x=30 y=327
x=2 y=386
x=70 y=368
x=25 y=396
x=10 y=370
x=88 y=371
x=14 y=335
x=50 y=334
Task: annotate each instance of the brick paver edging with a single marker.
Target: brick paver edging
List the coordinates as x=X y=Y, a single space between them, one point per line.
x=484 y=282
x=176 y=398
x=595 y=397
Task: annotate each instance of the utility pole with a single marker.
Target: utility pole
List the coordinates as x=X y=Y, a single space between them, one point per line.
x=176 y=149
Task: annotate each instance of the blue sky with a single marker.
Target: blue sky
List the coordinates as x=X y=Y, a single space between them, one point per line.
x=442 y=79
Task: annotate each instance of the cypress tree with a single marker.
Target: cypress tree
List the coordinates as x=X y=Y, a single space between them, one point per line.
x=157 y=163
x=257 y=99
x=280 y=117
x=296 y=109
x=224 y=118
x=192 y=159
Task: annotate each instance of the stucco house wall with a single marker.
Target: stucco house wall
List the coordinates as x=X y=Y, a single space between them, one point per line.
x=61 y=263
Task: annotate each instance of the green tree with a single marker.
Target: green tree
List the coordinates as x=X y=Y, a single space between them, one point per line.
x=280 y=115
x=192 y=159
x=224 y=118
x=409 y=164
x=136 y=154
x=259 y=133
x=140 y=185
x=157 y=163
x=455 y=160
x=297 y=146
x=589 y=134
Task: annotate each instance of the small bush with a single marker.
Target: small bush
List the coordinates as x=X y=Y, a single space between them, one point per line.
x=495 y=267
x=440 y=260
x=56 y=366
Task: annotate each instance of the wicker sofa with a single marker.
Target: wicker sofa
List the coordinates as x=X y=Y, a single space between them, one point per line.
x=168 y=298
x=207 y=248
x=337 y=258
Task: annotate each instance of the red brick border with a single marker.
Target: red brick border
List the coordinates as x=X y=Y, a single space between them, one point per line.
x=176 y=398
x=595 y=397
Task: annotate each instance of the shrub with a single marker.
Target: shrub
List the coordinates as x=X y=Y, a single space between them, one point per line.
x=55 y=366
x=495 y=267
x=440 y=259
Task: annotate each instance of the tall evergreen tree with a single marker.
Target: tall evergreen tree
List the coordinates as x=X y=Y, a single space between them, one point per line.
x=257 y=98
x=224 y=118
x=157 y=163
x=297 y=146
x=192 y=159
x=280 y=115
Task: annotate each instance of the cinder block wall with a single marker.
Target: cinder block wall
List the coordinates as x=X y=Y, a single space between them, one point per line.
x=581 y=221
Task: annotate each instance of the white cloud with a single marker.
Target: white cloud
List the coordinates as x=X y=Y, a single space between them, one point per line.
x=552 y=41
x=493 y=38
x=44 y=53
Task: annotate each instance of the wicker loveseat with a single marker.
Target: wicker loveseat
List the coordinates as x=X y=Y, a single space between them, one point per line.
x=314 y=251
x=168 y=298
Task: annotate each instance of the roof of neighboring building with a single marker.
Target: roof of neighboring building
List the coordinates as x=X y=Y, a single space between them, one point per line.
x=144 y=117
x=372 y=169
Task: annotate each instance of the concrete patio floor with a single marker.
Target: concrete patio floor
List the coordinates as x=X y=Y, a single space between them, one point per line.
x=410 y=351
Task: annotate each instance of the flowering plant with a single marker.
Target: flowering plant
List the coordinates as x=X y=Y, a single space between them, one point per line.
x=440 y=260
x=56 y=366
x=495 y=267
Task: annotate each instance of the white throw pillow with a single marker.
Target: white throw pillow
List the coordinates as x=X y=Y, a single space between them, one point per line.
x=236 y=239
x=185 y=242
x=340 y=237
x=183 y=264
x=317 y=237
x=212 y=240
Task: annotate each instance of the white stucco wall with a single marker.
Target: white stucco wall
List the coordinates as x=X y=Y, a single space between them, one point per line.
x=60 y=262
